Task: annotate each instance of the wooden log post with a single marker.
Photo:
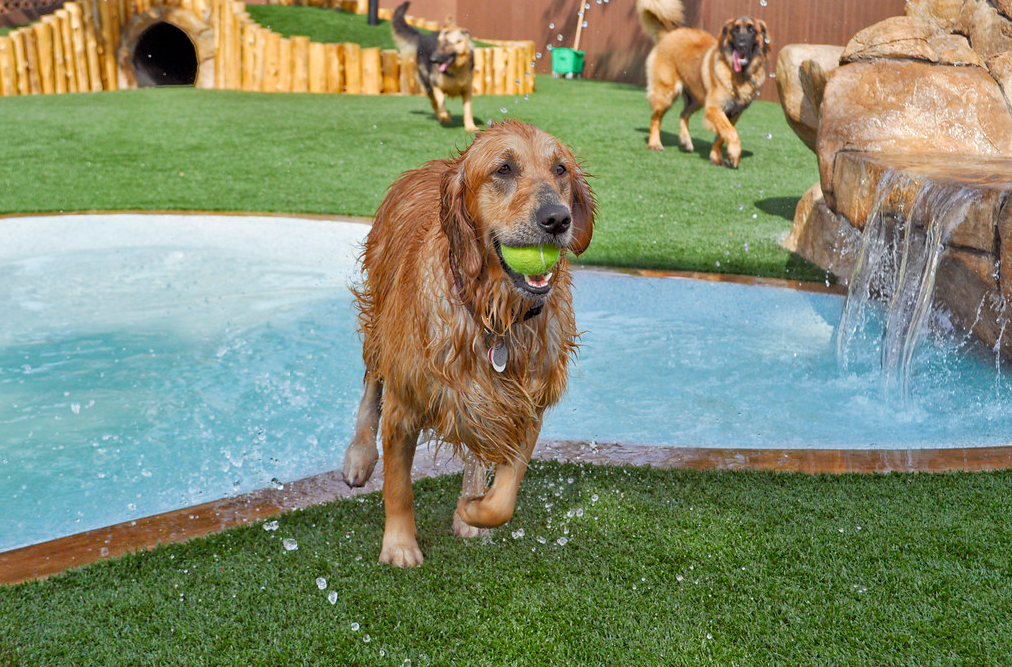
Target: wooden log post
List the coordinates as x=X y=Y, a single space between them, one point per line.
x=238 y=17
x=8 y=68
x=352 y=68
x=67 y=39
x=248 y=56
x=59 y=63
x=317 y=68
x=498 y=71
x=390 y=64
x=409 y=74
x=108 y=19
x=44 y=45
x=272 y=54
x=285 y=66
x=372 y=77
x=335 y=67
x=478 y=81
x=91 y=46
x=79 y=50
x=259 y=56
x=489 y=72
x=300 y=64
x=21 y=61
x=509 y=76
x=529 y=68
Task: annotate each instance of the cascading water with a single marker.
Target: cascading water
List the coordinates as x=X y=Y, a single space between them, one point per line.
x=901 y=248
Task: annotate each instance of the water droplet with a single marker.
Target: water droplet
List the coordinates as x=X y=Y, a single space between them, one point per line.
x=538 y=55
x=276 y=483
x=708 y=635
x=321 y=583
x=584 y=24
x=741 y=207
x=271 y=525
x=503 y=110
x=332 y=597
x=355 y=627
x=131 y=506
x=562 y=541
x=289 y=544
x=518 y=533
x=541 y=540
x=75 y=408
x=594 y=498
x=762 y=3
x=579 y=512
x=769 y=135
x=559 y=37
x=367 y=639
x=551 y=26
x=679 y=578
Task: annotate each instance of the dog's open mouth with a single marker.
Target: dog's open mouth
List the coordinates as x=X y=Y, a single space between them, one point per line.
x=533 y=284
x=738 y=61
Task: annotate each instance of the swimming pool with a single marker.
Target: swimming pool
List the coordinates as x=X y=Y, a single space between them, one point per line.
x=149 y=363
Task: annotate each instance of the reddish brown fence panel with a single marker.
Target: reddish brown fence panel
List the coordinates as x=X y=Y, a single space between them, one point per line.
x=615 y=45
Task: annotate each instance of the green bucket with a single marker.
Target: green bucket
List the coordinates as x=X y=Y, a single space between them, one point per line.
x=567 y=61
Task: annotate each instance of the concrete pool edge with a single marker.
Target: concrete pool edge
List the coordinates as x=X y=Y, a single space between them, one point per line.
x=39 y=561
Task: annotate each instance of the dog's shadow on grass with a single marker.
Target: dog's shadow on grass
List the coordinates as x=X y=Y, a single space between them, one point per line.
x=700 y=145
x=456 y=120
x=781 y=206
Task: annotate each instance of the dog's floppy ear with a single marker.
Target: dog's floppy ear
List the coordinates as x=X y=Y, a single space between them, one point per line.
x=763 y=35
x=582 y=208
x=725 y=31
x=457 y=224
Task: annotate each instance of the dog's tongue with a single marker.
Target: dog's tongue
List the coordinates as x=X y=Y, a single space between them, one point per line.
x=443 y=66
x=736 y=61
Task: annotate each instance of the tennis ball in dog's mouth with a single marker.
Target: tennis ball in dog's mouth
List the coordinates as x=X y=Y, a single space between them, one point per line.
x=532 y=260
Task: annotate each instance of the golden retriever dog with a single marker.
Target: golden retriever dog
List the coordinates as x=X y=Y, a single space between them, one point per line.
x=445 y=63
x=721 y=75
x=457 y=346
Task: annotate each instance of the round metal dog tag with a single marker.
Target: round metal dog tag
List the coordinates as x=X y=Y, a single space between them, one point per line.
x=498 y=355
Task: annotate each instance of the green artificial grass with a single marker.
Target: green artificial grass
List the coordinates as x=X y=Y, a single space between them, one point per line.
x=303 y=153
x=323 y=25
x=326 y=25
x=659 y=568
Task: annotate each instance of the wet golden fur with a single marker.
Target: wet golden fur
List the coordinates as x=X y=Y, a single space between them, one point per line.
x=702 y=68
x=426 y=336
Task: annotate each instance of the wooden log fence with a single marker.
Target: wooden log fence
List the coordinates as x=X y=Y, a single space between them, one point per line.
x=75 y=49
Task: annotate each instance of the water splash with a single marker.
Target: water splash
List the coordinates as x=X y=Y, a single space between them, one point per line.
x=898 y=260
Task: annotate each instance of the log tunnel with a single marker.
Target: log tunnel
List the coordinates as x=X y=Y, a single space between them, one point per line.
x=164 y=56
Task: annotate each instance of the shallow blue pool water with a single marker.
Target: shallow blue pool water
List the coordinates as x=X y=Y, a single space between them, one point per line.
x=149 y=363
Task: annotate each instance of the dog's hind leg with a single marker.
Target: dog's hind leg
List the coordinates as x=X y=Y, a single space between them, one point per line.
x=661 y=98
x=400 y=544
x=496 y=506
x=691 y=107
x=361 y=456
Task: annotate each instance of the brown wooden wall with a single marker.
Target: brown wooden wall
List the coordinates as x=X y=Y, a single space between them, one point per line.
x=615 y=45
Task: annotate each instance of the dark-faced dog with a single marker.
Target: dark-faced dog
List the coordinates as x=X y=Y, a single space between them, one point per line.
x=445 y=63
x=721 y=75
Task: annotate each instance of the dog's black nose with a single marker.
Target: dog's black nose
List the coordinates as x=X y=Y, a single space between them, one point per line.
x=553 y=218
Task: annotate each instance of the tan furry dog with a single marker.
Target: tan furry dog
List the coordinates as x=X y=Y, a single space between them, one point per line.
x=438 y=303
x=721 y=75
x=445 y=63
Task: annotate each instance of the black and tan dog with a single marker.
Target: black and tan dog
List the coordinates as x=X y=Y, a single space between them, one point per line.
x=445 y=63
x=721 y=75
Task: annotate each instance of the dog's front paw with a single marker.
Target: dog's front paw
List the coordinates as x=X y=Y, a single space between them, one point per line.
x=655 y=146
x=400 y=552
x=466 y=530
x=686 y=144
x=359 y=462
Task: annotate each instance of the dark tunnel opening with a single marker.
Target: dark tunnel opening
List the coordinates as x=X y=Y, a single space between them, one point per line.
x=164 y=56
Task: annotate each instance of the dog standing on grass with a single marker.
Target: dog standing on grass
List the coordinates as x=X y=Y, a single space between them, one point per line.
x=458 y=345
x=721 y=75
x=445 y=63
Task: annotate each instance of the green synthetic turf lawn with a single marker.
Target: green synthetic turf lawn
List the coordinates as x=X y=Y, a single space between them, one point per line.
x=326 y=25
x=304 y=153
x=665 y=568
x=323 y=25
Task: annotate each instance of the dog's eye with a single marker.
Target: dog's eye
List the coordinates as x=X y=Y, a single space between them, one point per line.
x=560 y=169
x=504 y=170
x=751 y=29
